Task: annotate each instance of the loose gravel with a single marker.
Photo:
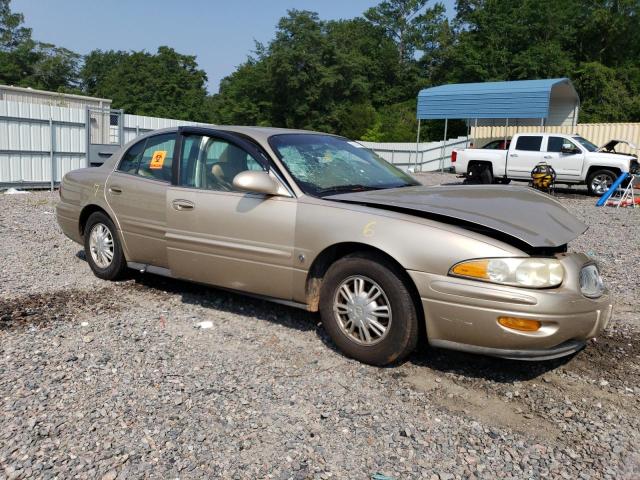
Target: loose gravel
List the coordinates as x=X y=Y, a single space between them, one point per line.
x=156 y=378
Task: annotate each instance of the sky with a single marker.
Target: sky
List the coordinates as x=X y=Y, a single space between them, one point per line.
x=220 y=33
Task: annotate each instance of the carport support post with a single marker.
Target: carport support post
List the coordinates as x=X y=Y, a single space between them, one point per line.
x=506 y=131
x=444 y=145
x=417 y=145
x=468 y=130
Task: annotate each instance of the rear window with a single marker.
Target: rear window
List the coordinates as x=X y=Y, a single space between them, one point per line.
x=531 y=144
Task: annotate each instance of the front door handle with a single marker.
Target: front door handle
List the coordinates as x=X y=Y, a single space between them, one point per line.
x=115 y=190
x=513 y=155
x=182 y=205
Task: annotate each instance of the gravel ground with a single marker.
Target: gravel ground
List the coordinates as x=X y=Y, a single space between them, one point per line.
x=115 y=380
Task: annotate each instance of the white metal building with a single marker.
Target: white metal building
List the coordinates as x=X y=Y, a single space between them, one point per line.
x=54 y=99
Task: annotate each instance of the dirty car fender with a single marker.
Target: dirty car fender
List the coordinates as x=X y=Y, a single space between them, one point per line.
x=415 y=243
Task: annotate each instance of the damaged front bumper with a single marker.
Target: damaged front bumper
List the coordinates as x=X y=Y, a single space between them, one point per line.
x=463 y=314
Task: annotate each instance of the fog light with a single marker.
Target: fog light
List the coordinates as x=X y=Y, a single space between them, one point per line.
x=522 y=324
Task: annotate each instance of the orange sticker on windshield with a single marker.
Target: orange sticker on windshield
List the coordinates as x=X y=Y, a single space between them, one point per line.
x=157 y=159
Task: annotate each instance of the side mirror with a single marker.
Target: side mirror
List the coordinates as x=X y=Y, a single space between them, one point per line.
x=256 y=182
x=569 y=150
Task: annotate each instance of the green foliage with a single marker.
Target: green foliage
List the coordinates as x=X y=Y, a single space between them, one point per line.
x=27 y=63
x=360 y=77
x=593 y=42
x=165 y=84
x=329 y=76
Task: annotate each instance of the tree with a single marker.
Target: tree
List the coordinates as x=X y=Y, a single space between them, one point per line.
x=12 y=32
x=408 y=23
x=165 y=84
x=28 y=63
x=328 y=76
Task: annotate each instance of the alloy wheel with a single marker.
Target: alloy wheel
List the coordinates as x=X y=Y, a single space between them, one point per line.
x=601 y=183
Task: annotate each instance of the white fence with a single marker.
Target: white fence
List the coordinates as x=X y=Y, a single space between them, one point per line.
x=40 y=143
x=424 y=157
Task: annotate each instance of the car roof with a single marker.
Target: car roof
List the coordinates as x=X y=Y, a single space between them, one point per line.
x=258 y=133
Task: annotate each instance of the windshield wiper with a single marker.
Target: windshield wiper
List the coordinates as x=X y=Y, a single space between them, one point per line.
x=346 y=189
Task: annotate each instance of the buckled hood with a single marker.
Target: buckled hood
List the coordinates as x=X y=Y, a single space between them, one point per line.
x=530 y=216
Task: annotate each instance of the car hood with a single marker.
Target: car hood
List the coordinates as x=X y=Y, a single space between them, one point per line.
x=519 y=212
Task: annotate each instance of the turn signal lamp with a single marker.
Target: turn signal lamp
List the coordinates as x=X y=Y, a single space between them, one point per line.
x=522 y=324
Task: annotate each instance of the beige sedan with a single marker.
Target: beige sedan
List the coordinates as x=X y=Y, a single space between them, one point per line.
x=319 y=222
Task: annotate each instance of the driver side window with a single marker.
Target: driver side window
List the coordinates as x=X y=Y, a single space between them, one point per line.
x=557 y=144
x=211 y=163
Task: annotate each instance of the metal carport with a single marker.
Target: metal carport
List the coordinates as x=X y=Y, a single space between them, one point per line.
x=522 y=102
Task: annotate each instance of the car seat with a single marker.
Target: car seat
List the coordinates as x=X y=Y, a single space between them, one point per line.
x=230 y=163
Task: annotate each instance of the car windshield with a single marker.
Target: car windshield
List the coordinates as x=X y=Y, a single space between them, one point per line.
x=586 y=144
x=326 y=165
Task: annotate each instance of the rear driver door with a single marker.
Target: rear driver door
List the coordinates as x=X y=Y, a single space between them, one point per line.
x=523 y=156
x=136 y=192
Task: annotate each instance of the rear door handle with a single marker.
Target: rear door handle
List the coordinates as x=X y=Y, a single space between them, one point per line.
x=547 y=156
x=115 y=190
x=513 y=155
x=182 y=205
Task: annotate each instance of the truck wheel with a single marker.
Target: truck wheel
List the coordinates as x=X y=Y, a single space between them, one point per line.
x=486 y=176
x=368 y=310
x=600 y=181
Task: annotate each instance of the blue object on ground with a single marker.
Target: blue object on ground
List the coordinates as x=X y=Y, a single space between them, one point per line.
x=613 y=188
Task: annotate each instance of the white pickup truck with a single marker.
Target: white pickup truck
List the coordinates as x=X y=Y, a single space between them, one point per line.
x=575 y=160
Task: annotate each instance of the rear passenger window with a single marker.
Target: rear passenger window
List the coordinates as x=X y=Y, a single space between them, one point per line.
x=157 y=157
x=129 y=163
x=529 y=143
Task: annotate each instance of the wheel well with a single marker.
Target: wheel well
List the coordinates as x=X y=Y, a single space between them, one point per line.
x=473 y=163
x=86 y=213
x=331 y=254
x=594 y=168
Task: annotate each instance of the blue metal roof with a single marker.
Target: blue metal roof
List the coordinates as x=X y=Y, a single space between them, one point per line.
x=517 y=99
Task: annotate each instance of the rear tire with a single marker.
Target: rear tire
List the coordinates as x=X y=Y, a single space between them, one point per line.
x=486 y=176
x=383 y=289
x=102 y=247
x=600 y=181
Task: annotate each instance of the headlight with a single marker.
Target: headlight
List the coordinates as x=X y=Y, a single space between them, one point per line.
x=591 y=284
x=519 y=272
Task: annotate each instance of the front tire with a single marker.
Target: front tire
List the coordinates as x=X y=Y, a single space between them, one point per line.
x=367 y=309
x=102 y=247
x=600 y=181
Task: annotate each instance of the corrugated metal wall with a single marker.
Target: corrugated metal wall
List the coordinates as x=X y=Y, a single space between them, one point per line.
x=42 y=97
x=33 y=134
x=598 y=133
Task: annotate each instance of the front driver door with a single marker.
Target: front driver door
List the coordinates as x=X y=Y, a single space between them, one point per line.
x=219 y=235
x=567 y=164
